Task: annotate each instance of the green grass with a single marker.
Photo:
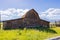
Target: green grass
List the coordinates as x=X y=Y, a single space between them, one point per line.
x=29 y=34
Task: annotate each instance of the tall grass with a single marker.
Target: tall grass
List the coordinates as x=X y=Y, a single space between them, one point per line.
x=25 y=34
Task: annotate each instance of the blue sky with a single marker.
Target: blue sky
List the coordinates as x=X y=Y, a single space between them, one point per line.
x=45 y=8
x=36 y=4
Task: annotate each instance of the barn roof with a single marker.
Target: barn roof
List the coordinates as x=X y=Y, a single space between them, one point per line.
x=13 y=19
x=44 y=20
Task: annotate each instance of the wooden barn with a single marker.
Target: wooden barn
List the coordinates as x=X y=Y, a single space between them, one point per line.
x=30 y=19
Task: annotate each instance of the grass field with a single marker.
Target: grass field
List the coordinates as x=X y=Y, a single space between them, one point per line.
x=29 y=34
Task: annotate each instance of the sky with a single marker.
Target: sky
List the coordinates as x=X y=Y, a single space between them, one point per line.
x=47 y=9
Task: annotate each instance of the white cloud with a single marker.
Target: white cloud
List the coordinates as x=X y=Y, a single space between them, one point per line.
x=12 y=13
x=51 y=14
x=21 y=11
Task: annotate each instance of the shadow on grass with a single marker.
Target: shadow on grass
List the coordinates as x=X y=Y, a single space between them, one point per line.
x=44 y=29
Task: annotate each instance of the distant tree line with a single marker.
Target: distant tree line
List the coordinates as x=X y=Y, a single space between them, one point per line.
x=57 y=23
